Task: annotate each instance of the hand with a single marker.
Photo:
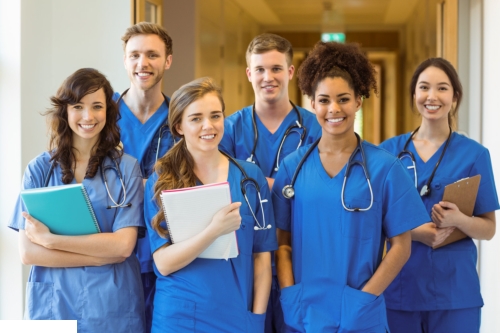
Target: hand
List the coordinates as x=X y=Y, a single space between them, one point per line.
x=446 y=214
x=227 y=219
x=36 y=231
x=430 y=235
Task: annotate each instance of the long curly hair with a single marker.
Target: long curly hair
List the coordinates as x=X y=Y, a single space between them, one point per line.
x=337 y=60
x=176 y=168
x=79 y=84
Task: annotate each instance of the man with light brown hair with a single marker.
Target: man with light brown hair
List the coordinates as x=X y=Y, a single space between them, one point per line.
x=273 y=127
x=144 y=110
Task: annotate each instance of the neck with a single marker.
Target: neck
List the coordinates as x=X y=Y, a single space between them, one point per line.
x=337 y=143
x=144 y=103
x=273 y=110
x=83 y=149
x=434 y=131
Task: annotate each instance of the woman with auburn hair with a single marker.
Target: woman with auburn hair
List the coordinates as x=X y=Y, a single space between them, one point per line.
x=209 y=295
x=94 y=279
x=445 y=296
x=336 y=202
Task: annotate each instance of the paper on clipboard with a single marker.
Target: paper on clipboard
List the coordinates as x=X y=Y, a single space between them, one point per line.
x=462 y=193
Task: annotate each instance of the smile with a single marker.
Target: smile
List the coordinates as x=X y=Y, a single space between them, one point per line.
x=335 y=120
x=432 y=107
x=87 y=127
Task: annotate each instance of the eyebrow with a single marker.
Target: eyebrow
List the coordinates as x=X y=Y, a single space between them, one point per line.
x=199 y=113
x=339 y=95
x=420 y=82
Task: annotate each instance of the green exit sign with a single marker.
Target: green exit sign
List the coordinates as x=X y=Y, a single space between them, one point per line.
x=338 y=37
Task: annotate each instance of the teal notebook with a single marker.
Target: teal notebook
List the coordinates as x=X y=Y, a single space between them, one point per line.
x=65 y=209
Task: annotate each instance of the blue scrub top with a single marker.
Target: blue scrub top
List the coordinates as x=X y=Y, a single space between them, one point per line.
x=336 y=252
x=239 y=135
x=450 y=280
x=214 y=295
x=141 y=141
x=108 y=298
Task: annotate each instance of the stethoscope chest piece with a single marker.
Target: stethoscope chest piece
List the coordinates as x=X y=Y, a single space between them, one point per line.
x=288 y=191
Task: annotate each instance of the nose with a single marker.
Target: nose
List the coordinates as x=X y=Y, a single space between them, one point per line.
x=87 y=114
x=267 y=75
x=142 y=61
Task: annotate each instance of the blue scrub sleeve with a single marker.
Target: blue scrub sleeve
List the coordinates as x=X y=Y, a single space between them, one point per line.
x=150 y=210
x=131 y=216
x=265 y=240
x=227 y=142
x=281 y=205
x=487 y=198
x=403 y=208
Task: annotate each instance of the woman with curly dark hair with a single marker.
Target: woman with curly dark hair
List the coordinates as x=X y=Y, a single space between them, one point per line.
x=94 y=278
x=336 y=201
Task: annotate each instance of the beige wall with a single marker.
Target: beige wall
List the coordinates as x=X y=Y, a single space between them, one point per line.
x=224 y=32
x=419 y=43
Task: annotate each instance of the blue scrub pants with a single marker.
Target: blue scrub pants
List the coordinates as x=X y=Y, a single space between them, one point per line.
x=149 y=285
x=274 y=314
x=437 y=321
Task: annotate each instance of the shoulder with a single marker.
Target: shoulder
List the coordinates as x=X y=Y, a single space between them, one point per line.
x=130 y=165
x=116 y=96
x=395 y=144
x=239 y=115
x=37 y=169
x=252 y=170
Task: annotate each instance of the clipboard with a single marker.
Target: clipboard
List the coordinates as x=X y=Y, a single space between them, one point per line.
x=462 y=193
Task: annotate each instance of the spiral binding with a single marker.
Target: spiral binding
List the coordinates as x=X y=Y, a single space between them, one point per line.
x=166 y=221
x=91 y=209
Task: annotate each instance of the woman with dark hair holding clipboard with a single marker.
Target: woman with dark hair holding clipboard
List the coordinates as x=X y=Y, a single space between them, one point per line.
x=438 y=289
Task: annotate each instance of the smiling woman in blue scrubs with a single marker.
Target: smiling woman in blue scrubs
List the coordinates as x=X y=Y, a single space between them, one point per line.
x=208 y=295
x=93 y=279
x=332 y=230
x=445 y=296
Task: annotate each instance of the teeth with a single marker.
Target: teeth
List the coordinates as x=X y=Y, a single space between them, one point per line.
x=335 y=120
x=208 y=137
x=87 y=126
x=432 y=107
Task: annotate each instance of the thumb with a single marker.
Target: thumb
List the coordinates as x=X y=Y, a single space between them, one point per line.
x=447 y=205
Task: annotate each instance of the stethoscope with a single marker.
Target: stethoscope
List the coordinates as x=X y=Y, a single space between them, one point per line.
x=405 y=153
x=244 y=182
x=289 y=192
x=163 y=128
x=105 y=168
x=292 y=128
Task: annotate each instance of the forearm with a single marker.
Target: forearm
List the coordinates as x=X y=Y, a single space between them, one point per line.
x=261 y=282
x=481 y=227
x=120 y=243
x=391 y=265
x=173 y=257
x=283 y=257
x=34 y=254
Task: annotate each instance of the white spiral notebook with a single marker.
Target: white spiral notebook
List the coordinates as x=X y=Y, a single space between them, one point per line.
x=190 y=210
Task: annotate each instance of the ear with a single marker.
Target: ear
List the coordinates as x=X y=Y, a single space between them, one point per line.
x=359 y=102
x=178 y=128
x=291 y=71
x=168 y=62
x=249 y=74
